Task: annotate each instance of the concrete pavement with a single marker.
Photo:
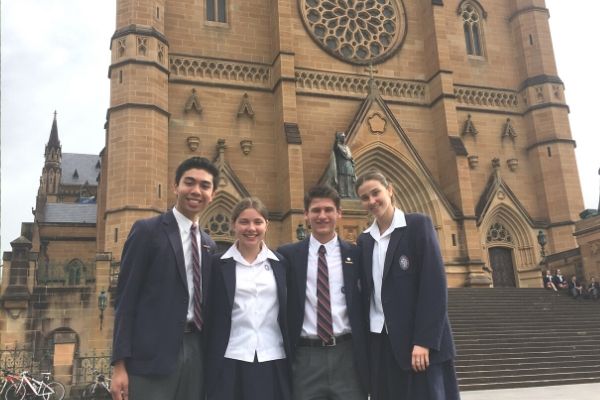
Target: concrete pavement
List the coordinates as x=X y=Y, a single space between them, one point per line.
x=563 y=392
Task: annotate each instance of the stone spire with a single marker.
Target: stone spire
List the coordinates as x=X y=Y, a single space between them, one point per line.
x=52 y=165
x=53 y=140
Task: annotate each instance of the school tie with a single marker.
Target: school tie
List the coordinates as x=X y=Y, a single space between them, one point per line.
x=324 y=320
x=197 y=298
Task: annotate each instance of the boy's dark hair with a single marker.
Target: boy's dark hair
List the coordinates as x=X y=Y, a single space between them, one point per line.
x=198 y=163
x=321 y=192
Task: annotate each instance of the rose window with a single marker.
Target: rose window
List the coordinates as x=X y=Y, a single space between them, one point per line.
x=356 y=31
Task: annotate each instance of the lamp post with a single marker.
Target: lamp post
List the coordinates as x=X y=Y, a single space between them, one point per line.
x=542 y=240
x=300 y=232
x=102 y=305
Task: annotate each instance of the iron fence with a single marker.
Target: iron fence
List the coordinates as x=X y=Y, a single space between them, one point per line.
x=20 y=358
x=85 y=365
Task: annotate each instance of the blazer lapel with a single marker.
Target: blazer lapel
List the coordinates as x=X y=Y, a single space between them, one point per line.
x=228 y=271
x=367 y=255
x=397 y=235
x=300 y=268
x=279 y=274
x=348 y=271
x=172 y=230
x=205 y=263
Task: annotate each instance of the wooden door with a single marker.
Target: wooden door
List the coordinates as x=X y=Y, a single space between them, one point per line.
x=503 y=271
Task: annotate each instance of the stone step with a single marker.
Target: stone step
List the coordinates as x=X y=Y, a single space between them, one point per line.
x=539 y=381
x=523 y=337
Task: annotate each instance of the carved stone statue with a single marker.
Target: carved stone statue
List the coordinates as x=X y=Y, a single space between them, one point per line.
x=341 y=173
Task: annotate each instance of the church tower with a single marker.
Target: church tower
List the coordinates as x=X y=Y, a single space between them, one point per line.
x=549 y=142
x=136 y=150
x=51 y=173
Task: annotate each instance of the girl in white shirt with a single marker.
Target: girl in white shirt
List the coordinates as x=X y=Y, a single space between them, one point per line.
x=247 y=340
x=411 y=345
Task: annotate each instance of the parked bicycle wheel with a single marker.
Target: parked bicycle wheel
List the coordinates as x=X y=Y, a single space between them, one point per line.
x=95 y=391
x=14 y=393
x=58 y=391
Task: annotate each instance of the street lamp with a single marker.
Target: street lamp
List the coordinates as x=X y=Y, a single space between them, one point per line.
x=102 y=305
x=541 y=238
x=300 y=232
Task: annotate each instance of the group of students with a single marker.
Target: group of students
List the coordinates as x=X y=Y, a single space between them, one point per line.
x=318 y=319
x=576 y=289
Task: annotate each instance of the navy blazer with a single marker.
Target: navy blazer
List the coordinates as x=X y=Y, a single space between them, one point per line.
x=152 y=296
x=220 y=300
x=297 y=256
x=414 y=294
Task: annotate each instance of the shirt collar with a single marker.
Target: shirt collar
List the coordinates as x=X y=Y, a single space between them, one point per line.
x=398 y=221
x=262 y=256
x=184 y=223
x=329 y=246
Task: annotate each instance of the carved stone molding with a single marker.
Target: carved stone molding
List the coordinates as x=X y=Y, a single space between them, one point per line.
x=193 y=142
x=512 y=163
x=193 y=103
x=315 y=81
x=205 y=69
x=469 y=127
x=473 y=161
x=486 y=98
x=245 y=107
x=509 y=131
x=377 y=123
x=246 y=146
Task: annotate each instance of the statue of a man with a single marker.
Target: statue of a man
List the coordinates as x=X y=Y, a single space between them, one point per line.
x=343 y=175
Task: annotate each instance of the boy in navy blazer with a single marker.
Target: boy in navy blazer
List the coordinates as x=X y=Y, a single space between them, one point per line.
x=327 y=331
x=163 y=280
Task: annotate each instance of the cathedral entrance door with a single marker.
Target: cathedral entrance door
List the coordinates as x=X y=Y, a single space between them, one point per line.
x=503 y=272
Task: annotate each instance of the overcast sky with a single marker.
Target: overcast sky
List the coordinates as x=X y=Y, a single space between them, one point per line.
x=55 y=56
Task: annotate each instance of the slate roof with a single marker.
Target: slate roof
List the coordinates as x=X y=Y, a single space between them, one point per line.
x=70 y=213
x=87 y=166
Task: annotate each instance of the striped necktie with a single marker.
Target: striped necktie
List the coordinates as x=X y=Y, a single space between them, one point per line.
x=197 y=298
x=324 y=320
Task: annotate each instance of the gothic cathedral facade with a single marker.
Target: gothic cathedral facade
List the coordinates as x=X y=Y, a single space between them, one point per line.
x=458 y=101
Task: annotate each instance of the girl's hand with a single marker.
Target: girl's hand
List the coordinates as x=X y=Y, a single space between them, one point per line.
x=420 y=358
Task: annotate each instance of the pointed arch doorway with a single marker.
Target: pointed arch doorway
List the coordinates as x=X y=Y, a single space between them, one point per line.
x=503 y=270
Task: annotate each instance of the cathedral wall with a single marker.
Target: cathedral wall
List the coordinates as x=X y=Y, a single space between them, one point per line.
x=498 y=67
x=220 y=120
x=189 y=33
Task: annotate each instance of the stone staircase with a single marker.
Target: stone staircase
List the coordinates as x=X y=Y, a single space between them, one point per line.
x=508 y=337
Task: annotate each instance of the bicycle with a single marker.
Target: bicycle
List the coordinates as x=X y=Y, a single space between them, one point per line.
x=8 y=379
x=31 y=388
x=99 y=389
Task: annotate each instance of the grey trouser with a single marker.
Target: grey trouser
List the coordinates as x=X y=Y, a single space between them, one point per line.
x=185 y=383
x=326 y=373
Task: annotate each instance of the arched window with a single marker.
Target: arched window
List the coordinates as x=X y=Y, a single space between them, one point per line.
x=216 y=10
x=471 y=14
x=74 y=272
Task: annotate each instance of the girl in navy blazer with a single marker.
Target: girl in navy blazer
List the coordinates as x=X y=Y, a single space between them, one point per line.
x=405 y=291
x=247 y=341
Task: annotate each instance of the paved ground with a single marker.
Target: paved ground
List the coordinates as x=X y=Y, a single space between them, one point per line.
x=565 y=392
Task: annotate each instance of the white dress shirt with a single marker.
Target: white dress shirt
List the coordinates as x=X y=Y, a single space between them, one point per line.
x=382 y=241
x=339 y=313
x=254 y=326
x=185 y=225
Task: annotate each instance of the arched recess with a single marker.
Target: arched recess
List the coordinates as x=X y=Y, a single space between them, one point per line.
x=522 y=241
x=216 y=219
x=413 y=192
x=75 y=272
x=64 y=341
